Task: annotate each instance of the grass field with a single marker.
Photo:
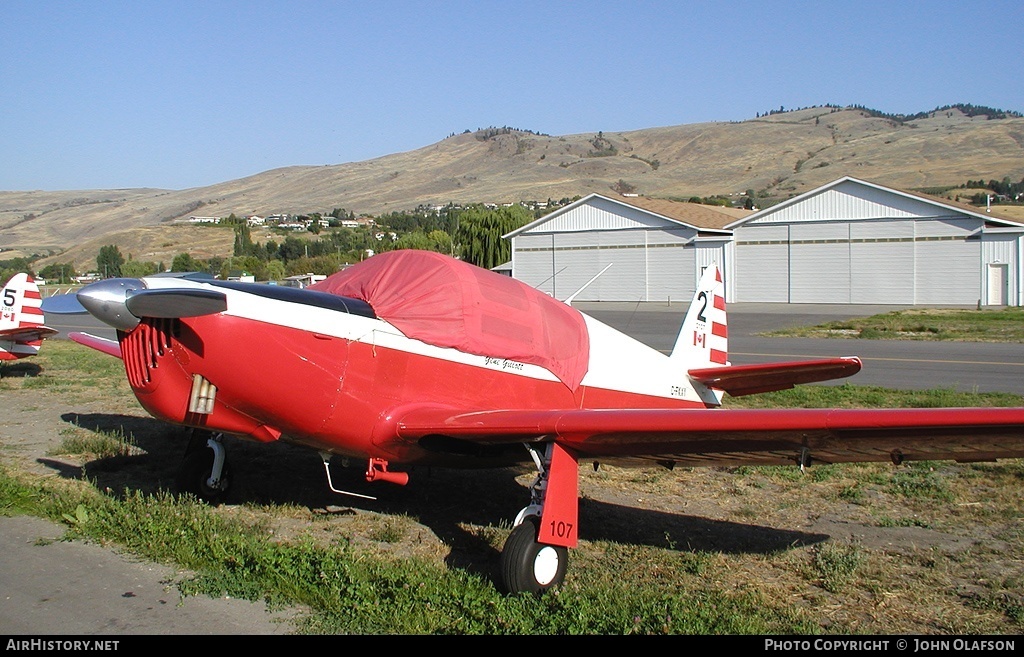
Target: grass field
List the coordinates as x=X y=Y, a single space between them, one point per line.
x=982 y=325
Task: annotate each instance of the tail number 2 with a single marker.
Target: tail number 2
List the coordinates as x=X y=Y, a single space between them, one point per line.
x=698 y=336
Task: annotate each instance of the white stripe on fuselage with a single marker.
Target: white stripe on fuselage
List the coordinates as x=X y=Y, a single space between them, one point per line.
x=617 y=361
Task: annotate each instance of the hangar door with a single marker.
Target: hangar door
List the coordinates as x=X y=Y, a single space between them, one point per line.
x=671 y=267
x=762 y=264
x=827 y=262
x=644 y=265
x=947 y=267
x=882 y=262
x=856 y=262
x=819 y=263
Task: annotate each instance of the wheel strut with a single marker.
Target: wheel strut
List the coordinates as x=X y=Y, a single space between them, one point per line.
x=535 y=556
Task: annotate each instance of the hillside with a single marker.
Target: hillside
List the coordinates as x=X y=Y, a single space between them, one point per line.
x=777 y=156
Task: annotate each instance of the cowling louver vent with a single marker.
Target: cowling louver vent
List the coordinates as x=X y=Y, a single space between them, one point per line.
x=146 y=346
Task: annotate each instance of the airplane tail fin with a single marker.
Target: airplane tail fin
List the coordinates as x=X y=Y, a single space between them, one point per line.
x=21 y=318
x=703 y=339
x=702 y=347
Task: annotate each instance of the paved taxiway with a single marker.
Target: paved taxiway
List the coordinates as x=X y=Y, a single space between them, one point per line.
x=901 y=364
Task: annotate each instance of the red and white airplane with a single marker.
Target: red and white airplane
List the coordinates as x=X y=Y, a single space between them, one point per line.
x=21 y=319
x=413 y=358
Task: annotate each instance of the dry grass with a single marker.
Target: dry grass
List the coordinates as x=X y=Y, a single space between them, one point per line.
x=1004 y=324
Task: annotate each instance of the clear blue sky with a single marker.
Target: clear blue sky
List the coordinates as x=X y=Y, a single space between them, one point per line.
x=143 y=93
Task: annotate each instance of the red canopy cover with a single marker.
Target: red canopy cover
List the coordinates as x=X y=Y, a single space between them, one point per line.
x=449 y=303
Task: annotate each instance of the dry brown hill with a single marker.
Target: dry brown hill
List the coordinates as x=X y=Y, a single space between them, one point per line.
x=777 y=156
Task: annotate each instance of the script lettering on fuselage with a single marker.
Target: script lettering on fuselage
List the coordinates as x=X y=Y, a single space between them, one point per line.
x=503 y=364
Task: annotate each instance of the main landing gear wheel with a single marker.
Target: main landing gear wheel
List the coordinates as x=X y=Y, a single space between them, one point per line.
x=196 y=475
x=529 y=566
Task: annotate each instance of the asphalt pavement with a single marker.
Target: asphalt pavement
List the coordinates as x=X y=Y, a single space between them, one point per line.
x=899 y=364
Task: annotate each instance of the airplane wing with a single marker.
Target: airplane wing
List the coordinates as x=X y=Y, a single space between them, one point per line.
x=716 y=437
x=109 y=347
x=28 y=333
x=739 y=380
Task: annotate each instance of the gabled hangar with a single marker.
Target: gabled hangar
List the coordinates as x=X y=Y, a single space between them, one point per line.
x=847 y=242
x=654 y=250
x=852 y=241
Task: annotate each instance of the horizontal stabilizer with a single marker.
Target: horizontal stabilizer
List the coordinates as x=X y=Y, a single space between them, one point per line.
x=63 y=304
x=27 y=333
x=173 y=303
x=107 y=346
x=739 y=380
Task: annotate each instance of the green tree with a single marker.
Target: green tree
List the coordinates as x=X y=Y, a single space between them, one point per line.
x=243 y=240
x=479 y=235
x=443 y=242
x=58 y=271
x=109 y=261
x=185 y=262
x=275 y=270
x=244 y=264
x=292 y=249
x=326 y=265
x=415 y=240
x=137 y=269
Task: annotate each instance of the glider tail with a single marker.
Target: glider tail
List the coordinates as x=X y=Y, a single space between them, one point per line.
x=703 y=339
x=21 y=318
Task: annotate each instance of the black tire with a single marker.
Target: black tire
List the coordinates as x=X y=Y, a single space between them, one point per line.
x=529 y=566
x=195 y=472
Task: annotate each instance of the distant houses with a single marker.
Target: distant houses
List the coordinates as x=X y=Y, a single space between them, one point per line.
x=302 y=280
x=290 y=222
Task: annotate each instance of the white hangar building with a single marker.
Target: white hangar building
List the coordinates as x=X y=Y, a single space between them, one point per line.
x=856 y=242
x=847 y=242
x=653 y=250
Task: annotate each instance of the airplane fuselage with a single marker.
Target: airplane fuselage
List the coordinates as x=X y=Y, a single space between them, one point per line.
x=268 y=369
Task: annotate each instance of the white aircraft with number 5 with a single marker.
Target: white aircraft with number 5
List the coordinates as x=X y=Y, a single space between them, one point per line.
x=21 y=319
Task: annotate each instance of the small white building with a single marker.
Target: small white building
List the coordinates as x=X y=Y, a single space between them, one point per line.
x=302 y=280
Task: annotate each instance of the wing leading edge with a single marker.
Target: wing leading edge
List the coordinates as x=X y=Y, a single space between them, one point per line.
x=715 y=437
x=105 y=345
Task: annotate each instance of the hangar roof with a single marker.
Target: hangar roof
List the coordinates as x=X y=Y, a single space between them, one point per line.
x=993 y=217
x=696 y=215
